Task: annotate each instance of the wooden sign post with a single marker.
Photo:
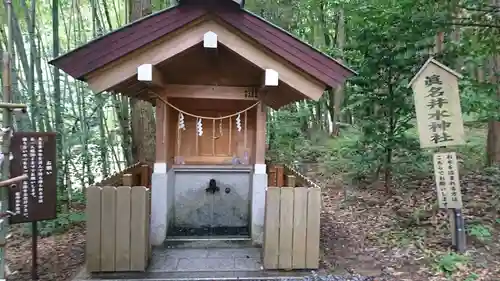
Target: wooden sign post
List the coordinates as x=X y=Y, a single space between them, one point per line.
x=440 y=125
x=7 y=181
x=34 y=155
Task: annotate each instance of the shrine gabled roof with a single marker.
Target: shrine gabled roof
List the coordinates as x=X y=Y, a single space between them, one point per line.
x=96 y=54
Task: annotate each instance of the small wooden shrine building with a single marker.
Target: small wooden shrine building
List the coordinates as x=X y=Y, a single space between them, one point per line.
x=211 y=68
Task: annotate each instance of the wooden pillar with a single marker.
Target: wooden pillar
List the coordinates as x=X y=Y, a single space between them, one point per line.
x=290 y=181
x=260 y=134
x=128 y=180
x=145 y=181
x=162 y=129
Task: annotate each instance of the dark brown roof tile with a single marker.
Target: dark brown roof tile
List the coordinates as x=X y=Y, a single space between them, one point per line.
x=108 y=48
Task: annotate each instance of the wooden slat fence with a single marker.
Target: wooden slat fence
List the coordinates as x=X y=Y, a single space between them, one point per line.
x=118 y=221
x=292 y=227
x=139 y=174
x=278 y=176
x=301 y=180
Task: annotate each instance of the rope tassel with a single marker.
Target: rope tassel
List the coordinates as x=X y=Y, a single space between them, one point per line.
x=238 y=123
x=199 y=127
x=182 y=125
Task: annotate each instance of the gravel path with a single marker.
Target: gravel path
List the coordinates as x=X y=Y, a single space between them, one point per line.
x=319 y=278
x=341 y=278
x=313 y=277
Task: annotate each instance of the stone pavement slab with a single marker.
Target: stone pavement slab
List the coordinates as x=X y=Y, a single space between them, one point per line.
x=163 y=263
x=247 y=264
x=198 y=264
x=168 y=260
x=203 y=276
x=182 y=253
x=206 y=264
x=234 y=253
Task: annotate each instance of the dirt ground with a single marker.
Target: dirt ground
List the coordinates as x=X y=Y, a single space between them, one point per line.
x=405 y=236
x=59 y=256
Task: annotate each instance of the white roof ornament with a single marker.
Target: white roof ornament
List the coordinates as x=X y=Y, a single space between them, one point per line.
x=149 y=74
x=271 y=78
x=145 y=72
x=210 y=40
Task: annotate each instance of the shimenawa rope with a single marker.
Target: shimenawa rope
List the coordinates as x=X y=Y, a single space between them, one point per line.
x=204 y=117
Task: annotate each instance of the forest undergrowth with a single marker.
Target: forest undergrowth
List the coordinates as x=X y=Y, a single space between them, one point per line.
x=61 y=248
x=403 y=235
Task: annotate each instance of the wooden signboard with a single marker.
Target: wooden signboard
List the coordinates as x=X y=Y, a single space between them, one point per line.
x=440 y=124
x=437 y=105
x=34 y=154
x=447 y=180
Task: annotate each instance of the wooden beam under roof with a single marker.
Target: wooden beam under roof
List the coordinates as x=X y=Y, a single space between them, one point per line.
x=150 y=75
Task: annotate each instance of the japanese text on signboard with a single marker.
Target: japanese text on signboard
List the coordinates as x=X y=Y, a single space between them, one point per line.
x=34 y=156
x=437 y=105
x=439 y=117
x=447 y=180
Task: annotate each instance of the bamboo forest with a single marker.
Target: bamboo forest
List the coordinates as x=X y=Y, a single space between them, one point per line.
x=384 y=214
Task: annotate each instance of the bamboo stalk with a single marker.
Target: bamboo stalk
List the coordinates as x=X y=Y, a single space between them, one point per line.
x=7 y=122
x=12 y=106
x=11 y=181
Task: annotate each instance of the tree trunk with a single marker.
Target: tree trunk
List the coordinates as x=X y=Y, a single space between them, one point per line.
x=103 y=146
x=143 y=124
x=122 y=114
x=330 y=105
x=97 y=30
x=390 y=137
x=339 y=92
x=493 y=140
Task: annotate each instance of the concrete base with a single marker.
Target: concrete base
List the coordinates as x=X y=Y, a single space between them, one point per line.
x=162 y=203
x=196 y=209
x=259 y=186
x=159 y=211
